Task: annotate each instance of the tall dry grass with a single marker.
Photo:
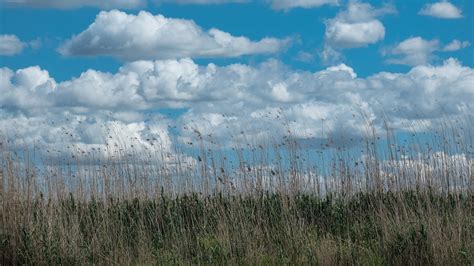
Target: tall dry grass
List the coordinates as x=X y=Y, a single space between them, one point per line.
x=271 y=203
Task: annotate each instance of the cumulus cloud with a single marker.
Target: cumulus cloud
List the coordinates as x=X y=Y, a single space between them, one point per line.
x=442 y=9
x=357 y=26
x=418 y=51
x=414 y=51
x=263 y=101
x=145 y=36
x=70 y=4
x=17 y=88
x=10 y=45
x=289 y=4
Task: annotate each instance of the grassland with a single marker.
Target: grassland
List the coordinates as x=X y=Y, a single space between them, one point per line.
x=275 y=205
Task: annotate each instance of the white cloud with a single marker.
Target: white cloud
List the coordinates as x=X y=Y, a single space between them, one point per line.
x=275 y=4
x=289 y=4
x=201 y=2
x=306 y=57
x=280 y=92
x=61 y=134
x=456 y=45
x=26 y=88
x=414 y=51
x=94 y=89
x=418 y=51
x=330 y=56
x=356 y=27
x=70 y=4
x=442 y=9
x=263 y=101
x=351 y=35
x=145 y=36
x=10 y=45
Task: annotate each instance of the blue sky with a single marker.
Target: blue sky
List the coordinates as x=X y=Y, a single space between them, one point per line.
x=324 y=65
x=255 y=20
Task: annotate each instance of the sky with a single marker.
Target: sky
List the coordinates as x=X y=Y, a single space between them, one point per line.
x=81 y=72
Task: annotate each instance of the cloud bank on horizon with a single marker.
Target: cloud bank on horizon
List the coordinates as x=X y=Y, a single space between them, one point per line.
x=168 y=63
x=222 y=101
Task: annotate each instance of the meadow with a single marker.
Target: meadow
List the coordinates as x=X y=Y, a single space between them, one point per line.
x=280 y=202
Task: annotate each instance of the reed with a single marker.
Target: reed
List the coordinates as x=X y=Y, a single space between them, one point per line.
x=255 y=203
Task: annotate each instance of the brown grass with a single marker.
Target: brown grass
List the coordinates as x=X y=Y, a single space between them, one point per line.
x=277 y=203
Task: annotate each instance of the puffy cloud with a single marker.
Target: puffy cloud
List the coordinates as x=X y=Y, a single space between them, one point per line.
x=10 y=45
x=94 y=89
x=69 y=4
x=418 y=51
x=26 y=88
x=263 y=101
x=145 y=36
x=414 y=51
x=289 y=4
x=352 y=35
x=357 y=26
x=442 y=9
x=427 y=92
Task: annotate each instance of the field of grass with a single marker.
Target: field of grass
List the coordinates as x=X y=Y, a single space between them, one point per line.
x=276 y=204
x=369 y=229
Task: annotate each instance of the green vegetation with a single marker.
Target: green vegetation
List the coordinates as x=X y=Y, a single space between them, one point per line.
x=412 y=227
